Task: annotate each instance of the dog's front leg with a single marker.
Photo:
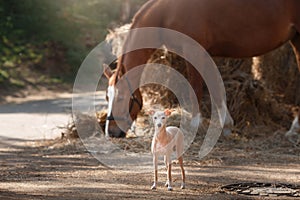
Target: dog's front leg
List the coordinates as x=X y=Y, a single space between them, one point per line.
x=169 y=177
x=155 y=171
x=169 y=172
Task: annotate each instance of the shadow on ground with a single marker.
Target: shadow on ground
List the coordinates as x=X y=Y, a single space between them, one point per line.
x=47 y=170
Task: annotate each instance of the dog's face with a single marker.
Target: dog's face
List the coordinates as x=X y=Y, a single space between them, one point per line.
x=160 y=118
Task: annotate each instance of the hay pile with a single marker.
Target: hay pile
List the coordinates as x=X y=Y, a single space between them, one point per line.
x=253 y=106
x=158 y=94
x=280 y=73
x=91 y=125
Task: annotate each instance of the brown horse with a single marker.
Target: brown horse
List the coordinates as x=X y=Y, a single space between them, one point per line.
x=226 y=28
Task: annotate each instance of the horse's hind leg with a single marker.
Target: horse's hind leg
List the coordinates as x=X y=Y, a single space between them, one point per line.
x=295 y=128
x=296 y=46
x=196 y=81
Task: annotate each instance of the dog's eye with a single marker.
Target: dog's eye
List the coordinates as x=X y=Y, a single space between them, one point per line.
x=155 y=117
x=163 y=118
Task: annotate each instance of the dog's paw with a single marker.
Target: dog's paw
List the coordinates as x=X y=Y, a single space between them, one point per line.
x=167 y=184
x=153 y=187
x=182 y=186
x=170 y=188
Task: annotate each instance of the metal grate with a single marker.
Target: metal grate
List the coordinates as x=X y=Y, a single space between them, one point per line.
x=263 y=189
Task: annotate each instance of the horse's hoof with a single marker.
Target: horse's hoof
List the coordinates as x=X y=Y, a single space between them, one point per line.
x=167 y=184
x=170 y=188
x=227 y=132
x=196 y=121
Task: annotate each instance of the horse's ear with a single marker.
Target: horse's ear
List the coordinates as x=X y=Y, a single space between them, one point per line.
x=168 y=112
x=107 y=71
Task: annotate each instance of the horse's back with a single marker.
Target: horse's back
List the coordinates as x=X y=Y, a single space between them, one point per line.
x=234 y=27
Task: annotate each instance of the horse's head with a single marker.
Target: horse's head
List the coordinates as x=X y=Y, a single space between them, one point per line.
x=123 y=104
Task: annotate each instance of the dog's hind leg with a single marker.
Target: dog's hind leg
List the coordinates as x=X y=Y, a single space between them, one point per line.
x=166 y=164
x=169 y=169
x=180 y=160
x=179 y=154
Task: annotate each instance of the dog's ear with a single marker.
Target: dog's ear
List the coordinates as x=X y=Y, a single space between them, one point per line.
x=107 y=71
x=168 y=112
x=151 y=112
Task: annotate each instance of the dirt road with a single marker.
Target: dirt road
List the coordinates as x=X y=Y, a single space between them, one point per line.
x=35 y=169
x=39 y=116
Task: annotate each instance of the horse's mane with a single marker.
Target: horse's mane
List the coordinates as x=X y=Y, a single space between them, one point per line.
x=120 y=67
x=143 y=9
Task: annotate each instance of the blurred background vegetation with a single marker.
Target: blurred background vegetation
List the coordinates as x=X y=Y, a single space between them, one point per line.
x=45 y=41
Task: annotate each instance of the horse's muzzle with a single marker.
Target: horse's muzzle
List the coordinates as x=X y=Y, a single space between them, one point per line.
x=116 y=132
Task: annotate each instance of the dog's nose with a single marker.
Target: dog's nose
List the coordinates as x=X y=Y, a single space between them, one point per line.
x=159 y=125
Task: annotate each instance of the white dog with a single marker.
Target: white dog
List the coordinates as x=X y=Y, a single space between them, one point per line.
x=165 y=141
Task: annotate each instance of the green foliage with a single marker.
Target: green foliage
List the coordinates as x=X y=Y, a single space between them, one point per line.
x=76 y=25
x=14 y=56
x=64 y=21
x=36 y=21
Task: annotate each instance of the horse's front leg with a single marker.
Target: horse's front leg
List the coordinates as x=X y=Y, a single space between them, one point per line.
x=196 y=82
x=295 y=127
x=296 y=45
